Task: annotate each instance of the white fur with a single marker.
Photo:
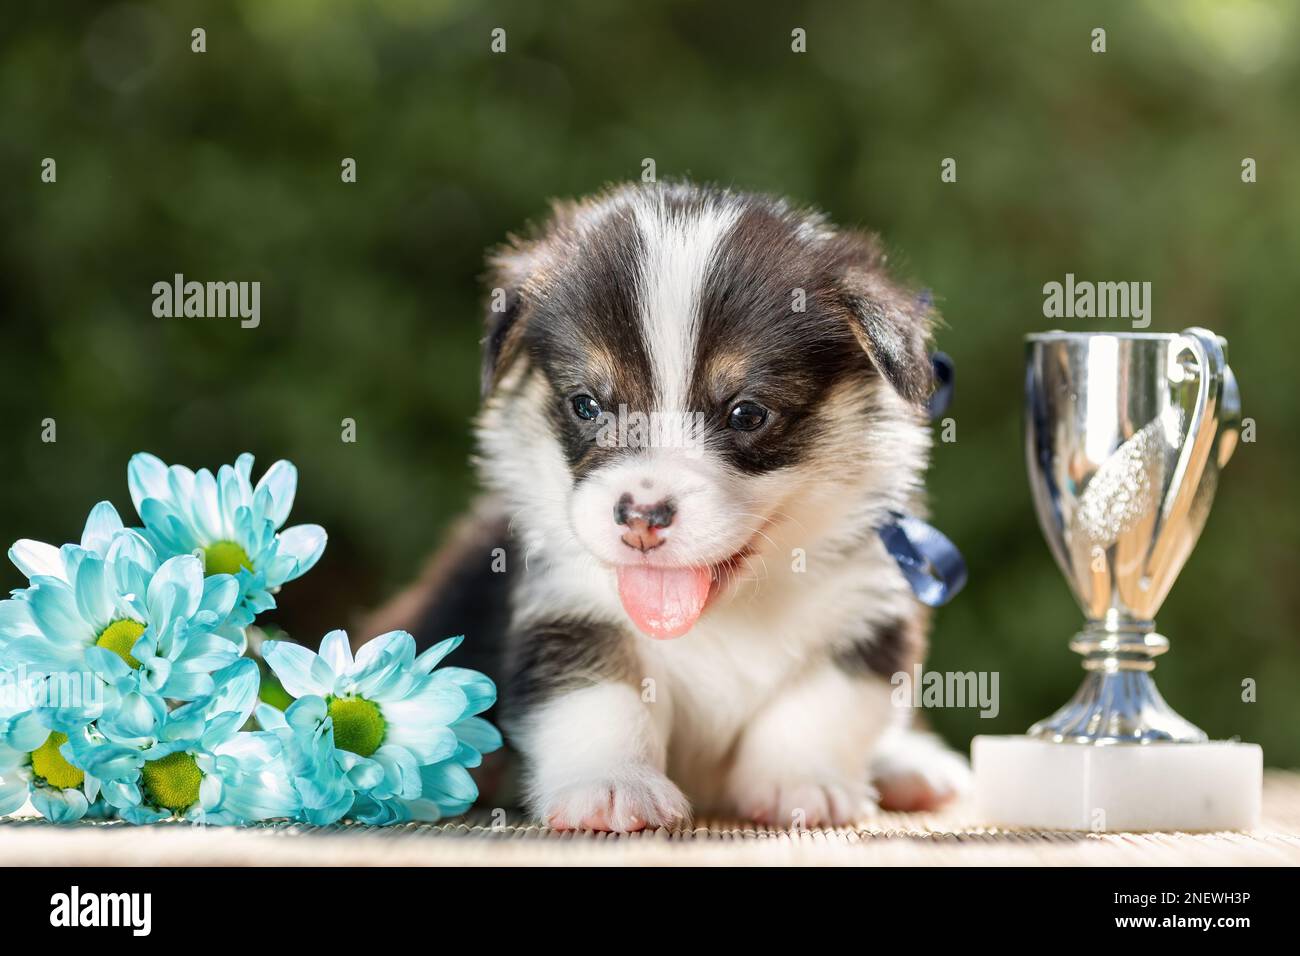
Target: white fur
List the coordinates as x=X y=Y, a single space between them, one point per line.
x=802 y=760
x=679 y=250
x=716 y=514
x=598 y=761
x=916 y=769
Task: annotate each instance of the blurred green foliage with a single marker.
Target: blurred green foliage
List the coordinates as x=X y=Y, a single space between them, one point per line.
x=225 y=165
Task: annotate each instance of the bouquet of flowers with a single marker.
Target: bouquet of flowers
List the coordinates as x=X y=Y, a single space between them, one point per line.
x=126 y=690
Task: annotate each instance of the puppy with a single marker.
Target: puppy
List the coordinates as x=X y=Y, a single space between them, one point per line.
x=699 y=407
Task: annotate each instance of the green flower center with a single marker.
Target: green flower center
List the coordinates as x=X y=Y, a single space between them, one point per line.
x=50 y=765
x=119 y=637
x=225 y=557
x=358 y=724
x=172 y=782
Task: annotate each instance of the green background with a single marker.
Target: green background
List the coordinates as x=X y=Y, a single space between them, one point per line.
x=225 y=165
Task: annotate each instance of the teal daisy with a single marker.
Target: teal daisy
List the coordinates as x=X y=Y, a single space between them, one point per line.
x=233 y=525
x=192 y=763
x=397 y=733
x=112 y=610
x=103 y=527
x=33 y=763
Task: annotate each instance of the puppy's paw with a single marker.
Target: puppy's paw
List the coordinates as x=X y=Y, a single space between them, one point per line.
x=803 y=803
x=920 y=774
x=637 y=799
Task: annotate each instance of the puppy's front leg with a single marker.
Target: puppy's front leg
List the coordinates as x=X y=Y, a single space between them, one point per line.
x=803 y=760
x=594 y=753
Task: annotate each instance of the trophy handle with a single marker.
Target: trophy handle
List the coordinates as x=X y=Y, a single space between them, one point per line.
x=1210 y=368
x=1229 y=417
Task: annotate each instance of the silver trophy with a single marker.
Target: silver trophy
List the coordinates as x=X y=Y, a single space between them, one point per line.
x=1124 y=438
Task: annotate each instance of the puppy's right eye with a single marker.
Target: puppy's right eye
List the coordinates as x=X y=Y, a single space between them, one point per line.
x=586 y=407
x=747 y=416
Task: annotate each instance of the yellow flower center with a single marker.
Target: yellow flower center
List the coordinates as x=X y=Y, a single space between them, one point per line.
x=52 y=767
x=358 y=724
x=172 y=782
x=119 y=637
x=225 y=557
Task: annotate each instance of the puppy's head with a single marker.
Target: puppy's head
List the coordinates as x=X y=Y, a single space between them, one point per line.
x=681 y=382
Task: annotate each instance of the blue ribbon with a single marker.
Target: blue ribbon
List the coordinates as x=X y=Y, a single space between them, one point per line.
x=931 y=563
x=945 y=383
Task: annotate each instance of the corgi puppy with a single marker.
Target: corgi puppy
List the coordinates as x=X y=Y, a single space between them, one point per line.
x=699 y=407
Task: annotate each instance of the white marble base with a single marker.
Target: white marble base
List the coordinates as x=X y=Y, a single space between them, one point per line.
x=1026 y=782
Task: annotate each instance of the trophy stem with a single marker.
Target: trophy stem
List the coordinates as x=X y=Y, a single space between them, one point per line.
x=1118 y=701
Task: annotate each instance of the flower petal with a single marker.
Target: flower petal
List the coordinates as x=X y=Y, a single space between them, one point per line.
x=479 y=690
x=13 y=791
x=220 y=592
x=129 y=547
x=176 y=590
x=244 y=467
x=205 y=508
x=450 y=785
x=101 y=525
x=420 y=722
x=281 y=481
x=95 y=601
x=304 y=543
x=399 y=644
x=430 y=658
x=146 y=477
x=54 y=610
x=301 y=671
x=336 y=651
x=478 y=733
x=35 y=557
x=270 y=718
x=60 y=806
x=26 y=732
x=15 y=620
x=237 y=687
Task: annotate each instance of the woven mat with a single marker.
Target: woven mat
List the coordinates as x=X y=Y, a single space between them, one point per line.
x=950 y=838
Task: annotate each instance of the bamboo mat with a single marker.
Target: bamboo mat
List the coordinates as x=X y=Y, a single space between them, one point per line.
x=951 y=838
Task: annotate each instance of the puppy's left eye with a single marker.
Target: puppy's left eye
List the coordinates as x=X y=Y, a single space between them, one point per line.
x=746 y=416
x=586 y=407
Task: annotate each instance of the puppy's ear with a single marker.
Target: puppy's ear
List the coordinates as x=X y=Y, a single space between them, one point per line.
x=892 y=323
x=509 y=268
x=517 y=276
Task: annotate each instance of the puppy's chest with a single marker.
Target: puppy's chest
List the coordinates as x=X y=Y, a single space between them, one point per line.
x=715 y=678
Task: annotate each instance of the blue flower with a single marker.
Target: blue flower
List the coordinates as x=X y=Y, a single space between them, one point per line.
x=382 y=734
x=33 y=762
x=109 y=618
x=232 y=524
x=325 y=778
x=102 y=526
x=192 y=762
x=446 y=790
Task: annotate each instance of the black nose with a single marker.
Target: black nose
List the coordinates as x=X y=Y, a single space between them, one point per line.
x=655 y=516
x=643 y=522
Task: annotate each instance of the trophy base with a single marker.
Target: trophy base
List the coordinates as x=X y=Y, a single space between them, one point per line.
x=1028 y=782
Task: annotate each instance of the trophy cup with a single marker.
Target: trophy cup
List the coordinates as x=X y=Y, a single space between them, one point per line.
x=1125 y=435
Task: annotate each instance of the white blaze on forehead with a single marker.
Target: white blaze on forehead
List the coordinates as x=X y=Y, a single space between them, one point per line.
x=679 y=245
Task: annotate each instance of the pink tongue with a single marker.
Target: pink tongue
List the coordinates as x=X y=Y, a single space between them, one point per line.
x=664 y=602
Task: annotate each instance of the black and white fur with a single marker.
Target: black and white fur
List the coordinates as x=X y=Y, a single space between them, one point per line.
x=776 y=705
